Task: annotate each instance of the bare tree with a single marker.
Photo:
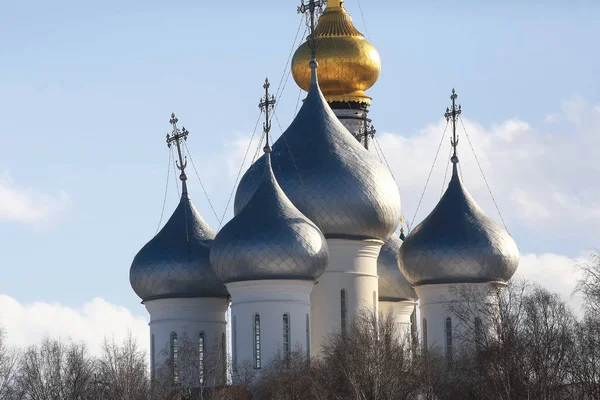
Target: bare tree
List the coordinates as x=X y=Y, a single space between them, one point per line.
x=122 y=371
x=589 y=284
x=195 y=373
x=9 y=359
x=55 y=371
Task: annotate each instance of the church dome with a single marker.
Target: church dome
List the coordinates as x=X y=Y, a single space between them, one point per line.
x=393 y=286
x=458 y=243
x=269 y=238
x=175 y=263
x=329 y=176
x=348 y=63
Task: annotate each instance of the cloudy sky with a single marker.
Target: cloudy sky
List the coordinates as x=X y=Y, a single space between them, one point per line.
x=87 y=90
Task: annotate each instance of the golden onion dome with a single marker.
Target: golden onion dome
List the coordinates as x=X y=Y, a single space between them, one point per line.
x=348 y=63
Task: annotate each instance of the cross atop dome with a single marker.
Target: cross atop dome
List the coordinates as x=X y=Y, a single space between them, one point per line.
x=267 y=103
x=453 y=114
x=176 y=137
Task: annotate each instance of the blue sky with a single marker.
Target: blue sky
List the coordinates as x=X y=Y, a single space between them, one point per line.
x=87 y=90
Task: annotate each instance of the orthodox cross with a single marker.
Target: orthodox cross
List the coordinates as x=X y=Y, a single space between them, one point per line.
x=368 y=130
x=311 y=7
x=176 y=137
x=452 y=114
x=266 y=104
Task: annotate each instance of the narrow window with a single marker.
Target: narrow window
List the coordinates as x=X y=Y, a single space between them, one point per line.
x=256 y=341
x=343 y=310
x=152 y=355
x=286 y=338
x=375 y=302
x=174 y=357
x=223 y=355
x=425 y=333
x=234 y=343
x=448 y=340
x=201 y=353
x=307 y=337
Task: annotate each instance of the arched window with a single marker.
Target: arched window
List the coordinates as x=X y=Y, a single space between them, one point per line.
x=256 y=341
x=307 y=337
x=174 y=357
x=448 y=334
x=152 y=356
x=201 y=354
x=343 y=311
x=425 y=345
x=234 y=343
x=286 y=338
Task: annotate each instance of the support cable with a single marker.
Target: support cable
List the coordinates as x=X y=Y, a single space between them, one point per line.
x=364 y=21
x=239 y=173
x=162 y=212
x=175 y=173
x=482 y=174
x=446 y=173
x=200 y=180
x=430 y=172
x=277 y=92
x=380 y=151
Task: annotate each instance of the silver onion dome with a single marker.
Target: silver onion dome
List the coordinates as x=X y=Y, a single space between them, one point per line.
x=175 y=263
x=393 y=286
x=269 y=238
x=458 y=243
x=328 y=175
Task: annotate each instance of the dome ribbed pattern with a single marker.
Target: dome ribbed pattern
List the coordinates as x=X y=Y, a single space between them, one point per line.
x=393 y=286
x=175 y=263
x=269 y=239
x=458 y=243
x=329 y=176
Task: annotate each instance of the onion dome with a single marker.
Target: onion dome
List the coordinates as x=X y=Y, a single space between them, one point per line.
x=348 y=63
x=457 y=242
x=328 y=175
x=175 y=263
x=269 y=238
x=393 y=286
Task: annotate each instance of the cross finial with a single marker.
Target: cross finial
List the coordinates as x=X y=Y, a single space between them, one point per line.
x=176 y=136
x=266 y=104
x=452 y=114
x=311 y=7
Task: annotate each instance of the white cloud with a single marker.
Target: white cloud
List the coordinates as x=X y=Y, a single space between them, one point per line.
x=554 y=272
x=28 y=324
x=542 y=181
x=26 y=205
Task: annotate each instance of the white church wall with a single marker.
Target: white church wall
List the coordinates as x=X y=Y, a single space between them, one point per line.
x=269 y=300
x=187 y=317
x=401 y=311
x=353 y=269
x=434 y=303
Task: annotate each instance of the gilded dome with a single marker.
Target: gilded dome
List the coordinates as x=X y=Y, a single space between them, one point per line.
x=175 y=263
x=333 y=180
x=269 y=239
x=393 y=286
x=458 y=243
x=348 y=63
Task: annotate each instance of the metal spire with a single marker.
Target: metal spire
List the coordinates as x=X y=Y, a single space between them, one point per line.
x=311 y=7
x=266 y=104
x=176 y=137
x=452 y=114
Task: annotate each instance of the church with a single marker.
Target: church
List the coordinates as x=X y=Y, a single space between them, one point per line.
x=316 y=238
